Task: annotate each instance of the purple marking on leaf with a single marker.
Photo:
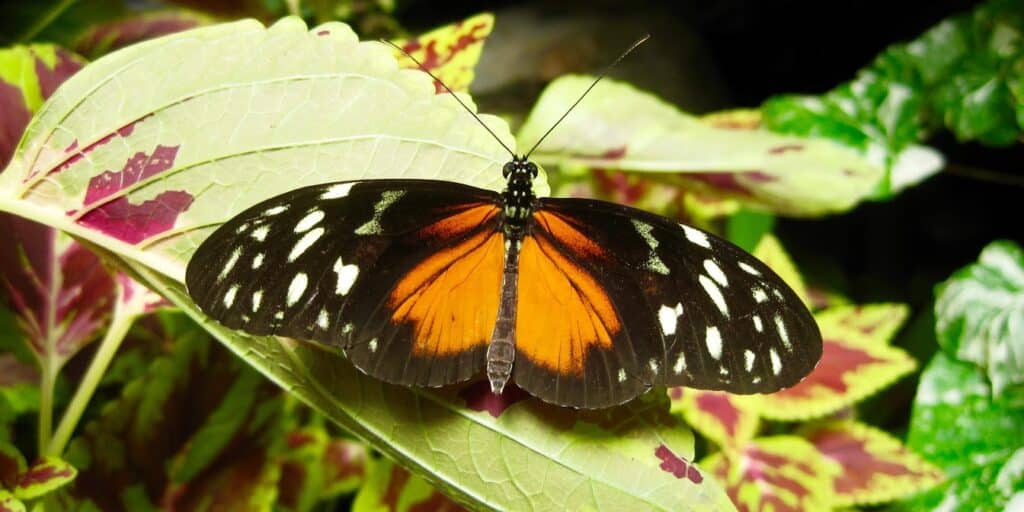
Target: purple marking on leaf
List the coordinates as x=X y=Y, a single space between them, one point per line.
x=478 y=397
x=49 y=79
x=675 y=393
x=130 y=288
x=76 y=157
x=13 y=123
x=133 y=223
x=323 y=32
x=786 y=147
x=11 y=466
x=137 y=168
x=721 y=406
x=346 y=457
x=43 y=472
x=676 y=465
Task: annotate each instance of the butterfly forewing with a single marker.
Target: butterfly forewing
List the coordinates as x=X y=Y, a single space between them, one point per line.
x=688 y=309
x=389 y=270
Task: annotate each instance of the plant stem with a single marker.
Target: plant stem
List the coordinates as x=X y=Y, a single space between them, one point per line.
x=47 y=381
x=44 y=21
x=122 y=320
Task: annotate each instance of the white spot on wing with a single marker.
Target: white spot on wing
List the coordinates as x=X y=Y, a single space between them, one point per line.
x=696 y=236
x=257 y=297
x=622 y=375
x=260 y=234
x=680 y=363
x=776 y=362
x=337 y=191
x=229 y=296
x=713 y=339
x=304 y=243
x=275 y=210
x=714 y=293
x=759 y=295
x=311 y=219
x=748 y=269
x=297 y=288
x=257 y=261
x=757 y=323
x=748 y=360
x=653 y=364
x=347 y=328
x=279 y=315
x=715 y=272
x=230 y=264
x=780 y=326
x=322 y=321
x=373 y=345
x=347 y=275
x=778 y=294
x=668 y=317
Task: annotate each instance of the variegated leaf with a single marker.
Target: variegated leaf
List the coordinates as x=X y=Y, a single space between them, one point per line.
x=43 y=477
x=770 y=251
x=391 y=488
x=450 y=52
x=111 y=35
x=853 y=366
x=619 y=127
x=876 y=467
x=778 y=474
x=728 y=420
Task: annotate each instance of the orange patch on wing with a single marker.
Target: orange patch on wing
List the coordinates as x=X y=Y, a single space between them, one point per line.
x=451 y=298
x=565 y=233
x=562 y=311
x=461 y=222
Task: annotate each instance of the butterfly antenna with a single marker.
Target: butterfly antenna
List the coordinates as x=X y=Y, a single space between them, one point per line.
x=456 y=96
x=598 y=79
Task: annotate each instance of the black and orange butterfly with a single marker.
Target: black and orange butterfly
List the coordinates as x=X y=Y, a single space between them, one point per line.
x=581 y=303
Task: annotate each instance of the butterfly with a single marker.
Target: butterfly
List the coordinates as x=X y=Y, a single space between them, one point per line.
x=579 y=302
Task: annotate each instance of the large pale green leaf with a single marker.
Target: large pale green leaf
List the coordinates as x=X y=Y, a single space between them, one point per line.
x=620 y=127
x=979 y=314
x=148 y=149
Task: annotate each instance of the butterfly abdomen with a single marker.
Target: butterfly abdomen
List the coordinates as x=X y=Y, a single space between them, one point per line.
x=501 y=352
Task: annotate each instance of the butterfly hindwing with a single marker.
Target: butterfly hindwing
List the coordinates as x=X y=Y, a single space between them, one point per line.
x=398 y=273
x=690 y=309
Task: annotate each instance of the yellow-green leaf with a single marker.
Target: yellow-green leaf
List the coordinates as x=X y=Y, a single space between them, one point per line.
x=450 y=52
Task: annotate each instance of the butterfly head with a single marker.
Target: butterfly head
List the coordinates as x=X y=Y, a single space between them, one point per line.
x=519 y=170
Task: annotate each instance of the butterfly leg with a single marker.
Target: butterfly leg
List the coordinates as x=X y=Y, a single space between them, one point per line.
x=501 y=352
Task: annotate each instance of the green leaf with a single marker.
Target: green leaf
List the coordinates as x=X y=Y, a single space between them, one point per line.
x=330 y=109
x=45 y=476
x=979 y=314
x=390 y=488
x=8 y=503
x=961 y=425
x=621 y=127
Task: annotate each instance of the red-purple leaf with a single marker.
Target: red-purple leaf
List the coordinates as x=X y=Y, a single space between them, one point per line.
x=109 y=36
x=778 y=474
x=59 y=289
x=875 y=466
x=12 y=465
x=14 y=372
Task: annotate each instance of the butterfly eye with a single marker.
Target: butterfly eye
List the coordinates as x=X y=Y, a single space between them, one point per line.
x=532 y=168
x=507 y=170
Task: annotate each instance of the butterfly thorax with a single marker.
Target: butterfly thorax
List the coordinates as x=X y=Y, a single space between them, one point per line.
x=518 y=201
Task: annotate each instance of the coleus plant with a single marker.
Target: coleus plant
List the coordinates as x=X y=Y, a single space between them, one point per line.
x=829 y=460
x=133 y=184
